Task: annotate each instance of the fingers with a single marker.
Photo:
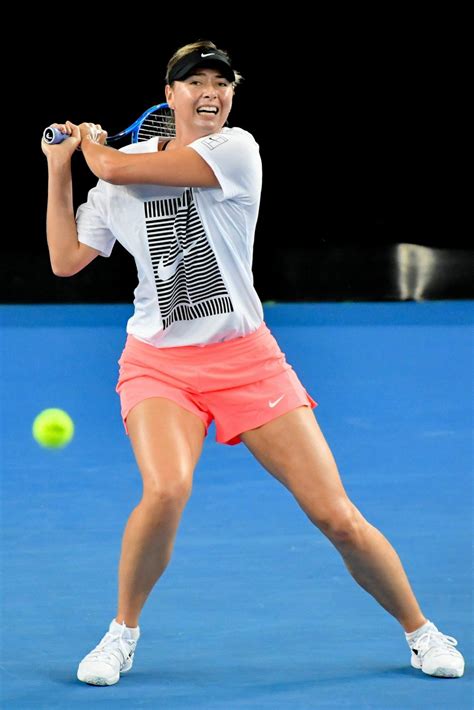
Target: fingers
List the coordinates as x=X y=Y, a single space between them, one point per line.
x=64 y=128
x=95 y=132
x=76 y=133
x=64 y=147
x=72 y=129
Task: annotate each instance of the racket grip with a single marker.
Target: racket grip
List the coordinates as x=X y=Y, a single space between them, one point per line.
x=53 y=135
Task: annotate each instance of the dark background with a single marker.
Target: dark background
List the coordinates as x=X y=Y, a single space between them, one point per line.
x=336 y=105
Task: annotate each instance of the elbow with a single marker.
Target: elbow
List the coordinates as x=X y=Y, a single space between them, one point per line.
x=107 y=174
x=60 y=271
x=109 y=171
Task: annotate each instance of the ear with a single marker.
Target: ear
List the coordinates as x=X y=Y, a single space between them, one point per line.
x=169 y=95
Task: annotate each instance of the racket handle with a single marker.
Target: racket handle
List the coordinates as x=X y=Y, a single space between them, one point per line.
x=53 y=135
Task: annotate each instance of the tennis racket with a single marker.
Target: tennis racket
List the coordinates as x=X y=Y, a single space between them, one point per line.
x=158 y=121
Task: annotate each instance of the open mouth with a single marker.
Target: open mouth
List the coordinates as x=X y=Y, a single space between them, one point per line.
x=210 y=110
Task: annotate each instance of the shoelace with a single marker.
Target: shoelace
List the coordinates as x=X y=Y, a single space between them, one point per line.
x=112 y=647
x=434 y=640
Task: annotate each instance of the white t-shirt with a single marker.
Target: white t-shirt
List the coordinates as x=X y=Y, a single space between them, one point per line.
x=192 y=246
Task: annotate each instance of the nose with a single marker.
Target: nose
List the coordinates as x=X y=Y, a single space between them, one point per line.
x=210 y=91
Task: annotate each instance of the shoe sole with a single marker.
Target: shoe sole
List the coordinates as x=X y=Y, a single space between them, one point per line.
x=99 y=680
x=445 y=673
x=438 y=672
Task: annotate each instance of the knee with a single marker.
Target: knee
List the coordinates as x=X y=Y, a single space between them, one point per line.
x=341 y=523
x=171 y=491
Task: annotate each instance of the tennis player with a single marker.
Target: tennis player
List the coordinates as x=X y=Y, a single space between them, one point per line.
x=198 y=349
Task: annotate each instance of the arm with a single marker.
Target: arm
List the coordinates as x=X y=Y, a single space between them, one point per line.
x=181 y=167
x=66 y=253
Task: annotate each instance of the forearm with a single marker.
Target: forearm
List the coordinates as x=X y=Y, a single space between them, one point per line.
x=181 y=168
x=61 y=229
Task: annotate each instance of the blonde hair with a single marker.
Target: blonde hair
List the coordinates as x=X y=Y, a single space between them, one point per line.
x=188 y=48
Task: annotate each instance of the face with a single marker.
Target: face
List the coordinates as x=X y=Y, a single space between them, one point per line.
x=201 y=102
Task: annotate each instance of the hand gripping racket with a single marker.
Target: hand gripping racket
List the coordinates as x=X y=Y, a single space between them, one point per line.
x=158 y=121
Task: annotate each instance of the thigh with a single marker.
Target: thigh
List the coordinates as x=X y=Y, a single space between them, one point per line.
x=293 y=449
x=167 y=441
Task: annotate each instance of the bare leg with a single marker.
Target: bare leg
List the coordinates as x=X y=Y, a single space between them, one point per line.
x=293 y=449
x=167 y=441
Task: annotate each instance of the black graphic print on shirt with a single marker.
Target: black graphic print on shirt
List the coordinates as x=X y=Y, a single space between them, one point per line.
x=188 y=281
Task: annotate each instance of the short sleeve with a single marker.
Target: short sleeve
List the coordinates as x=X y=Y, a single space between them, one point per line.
x=91 y=222
x=235 y=160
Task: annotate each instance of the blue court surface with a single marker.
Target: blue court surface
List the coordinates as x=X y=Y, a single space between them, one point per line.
x=256 y=609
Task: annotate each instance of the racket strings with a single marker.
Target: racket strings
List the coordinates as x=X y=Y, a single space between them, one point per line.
x=159 y=123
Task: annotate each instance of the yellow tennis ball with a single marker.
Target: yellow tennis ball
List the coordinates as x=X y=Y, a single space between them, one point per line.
x=53 y=428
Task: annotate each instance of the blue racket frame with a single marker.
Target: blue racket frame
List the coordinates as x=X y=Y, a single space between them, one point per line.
x=155 y=121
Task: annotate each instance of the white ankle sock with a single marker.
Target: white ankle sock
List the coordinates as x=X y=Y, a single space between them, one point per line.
x=132 y=632
x=412 y=635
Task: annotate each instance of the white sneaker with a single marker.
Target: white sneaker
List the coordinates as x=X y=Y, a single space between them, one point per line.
x=111 y=657
x=434 y=653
